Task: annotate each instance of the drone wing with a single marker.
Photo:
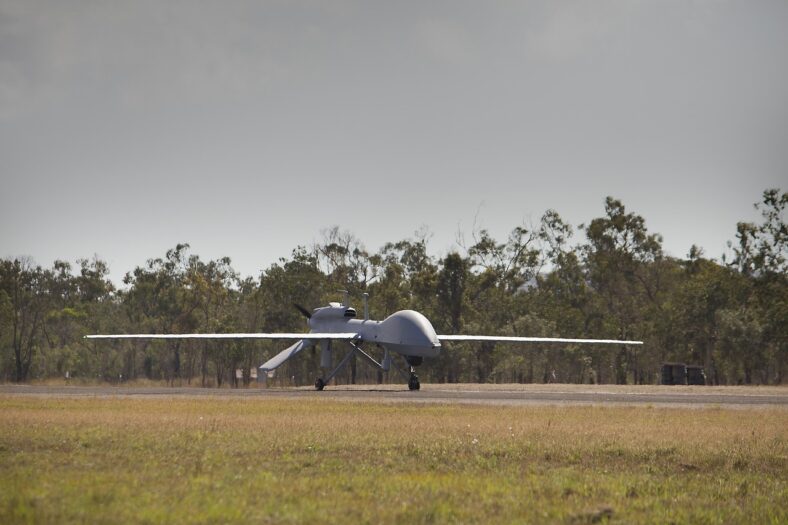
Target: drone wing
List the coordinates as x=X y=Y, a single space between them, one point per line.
x=507 y=339
x=308 y=336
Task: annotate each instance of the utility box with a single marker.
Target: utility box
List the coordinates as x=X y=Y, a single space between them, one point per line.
x=681 y=374
x=696 y=375
x=674 y=374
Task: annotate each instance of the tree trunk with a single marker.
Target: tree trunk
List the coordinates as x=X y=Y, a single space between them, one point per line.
x=621 y=368
x=353 y=370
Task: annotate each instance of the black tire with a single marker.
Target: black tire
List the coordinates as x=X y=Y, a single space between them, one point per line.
x=413 y=383
x=320 y=384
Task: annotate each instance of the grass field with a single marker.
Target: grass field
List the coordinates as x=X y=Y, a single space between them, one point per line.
x=220 y=460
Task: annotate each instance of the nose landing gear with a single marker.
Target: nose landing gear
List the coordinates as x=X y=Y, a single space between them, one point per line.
x=413 y=361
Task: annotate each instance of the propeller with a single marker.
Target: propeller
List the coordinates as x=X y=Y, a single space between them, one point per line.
x=303 y=310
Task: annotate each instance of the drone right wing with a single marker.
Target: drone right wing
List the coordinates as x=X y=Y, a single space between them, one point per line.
x=508 y=339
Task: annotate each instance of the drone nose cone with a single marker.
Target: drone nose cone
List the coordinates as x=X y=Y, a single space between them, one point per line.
x=411 y=333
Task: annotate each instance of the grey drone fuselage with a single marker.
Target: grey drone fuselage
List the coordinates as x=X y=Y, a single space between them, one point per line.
x=405 y=332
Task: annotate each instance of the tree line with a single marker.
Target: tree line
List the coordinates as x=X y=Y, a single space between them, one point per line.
x=729 y=315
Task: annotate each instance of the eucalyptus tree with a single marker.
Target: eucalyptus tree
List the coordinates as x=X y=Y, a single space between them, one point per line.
x=563 y=302
x=499 y=274
x=622 y=261
x=97 y=300
x=344 y=260
x=761 y=255
x=98 y=309
x=65 y=310
x=248 y=311
x=6 y=332
x=451 y=295
x=207 y=296
x=24 y=308
x=156 y=302
x=414 y=273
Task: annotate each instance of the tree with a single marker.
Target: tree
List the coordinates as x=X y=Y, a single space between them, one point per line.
x=155 y=302
x=208 y=294
x=451 y=299
x=345 y=260
x=731 y=316
x=25 y=308
x=248 y=313
x=761 y=255
x=623 y=265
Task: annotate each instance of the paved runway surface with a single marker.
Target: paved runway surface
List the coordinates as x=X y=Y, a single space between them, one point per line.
x=747 y=397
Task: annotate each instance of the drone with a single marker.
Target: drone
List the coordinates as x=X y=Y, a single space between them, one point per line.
x=406 y=333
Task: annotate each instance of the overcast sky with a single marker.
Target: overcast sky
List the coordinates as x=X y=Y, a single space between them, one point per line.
x=245 y=128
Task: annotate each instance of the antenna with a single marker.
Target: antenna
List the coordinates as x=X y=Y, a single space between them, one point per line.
x=345 y=297
x=366 y=306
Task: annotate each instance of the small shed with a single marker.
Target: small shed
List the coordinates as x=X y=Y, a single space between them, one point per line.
x=696 y=375
x=674 y=374
x=681 y=374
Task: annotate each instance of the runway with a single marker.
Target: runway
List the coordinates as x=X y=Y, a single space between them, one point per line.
x=732 y=397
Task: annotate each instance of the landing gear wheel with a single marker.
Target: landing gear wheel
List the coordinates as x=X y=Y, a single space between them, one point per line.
x=320 y=384
x=413 y=382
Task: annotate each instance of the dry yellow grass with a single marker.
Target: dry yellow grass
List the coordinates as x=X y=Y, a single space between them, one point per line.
x=217 y=460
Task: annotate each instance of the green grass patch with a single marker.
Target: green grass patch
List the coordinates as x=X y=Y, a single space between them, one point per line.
x=233 y=460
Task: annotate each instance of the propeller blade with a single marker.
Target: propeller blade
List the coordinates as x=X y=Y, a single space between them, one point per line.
x=303 y=310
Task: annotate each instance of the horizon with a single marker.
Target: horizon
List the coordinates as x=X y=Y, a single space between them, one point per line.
x=578 y=238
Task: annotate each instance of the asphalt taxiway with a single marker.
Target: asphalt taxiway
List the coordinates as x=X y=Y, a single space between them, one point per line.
x=734 y=397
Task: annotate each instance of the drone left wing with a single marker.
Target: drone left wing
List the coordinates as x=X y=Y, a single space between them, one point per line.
x=507 y=339
x=307 y=336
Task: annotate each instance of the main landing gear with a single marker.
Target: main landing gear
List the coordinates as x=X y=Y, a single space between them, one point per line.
x=413 y=382
x=385 y=365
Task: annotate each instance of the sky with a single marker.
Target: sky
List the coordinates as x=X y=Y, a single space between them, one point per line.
x=248 y=128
